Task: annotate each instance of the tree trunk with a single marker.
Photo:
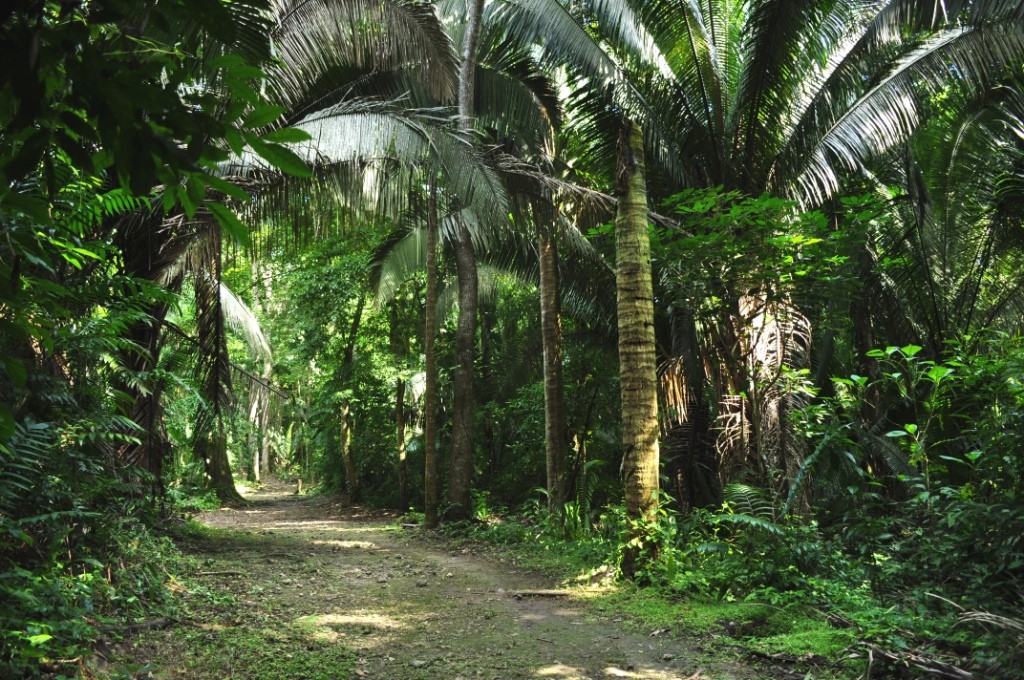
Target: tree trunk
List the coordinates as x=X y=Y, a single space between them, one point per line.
x=461 y=469
x=351 y=474
x=403 y=496
x=214 y=452
x=638 y=374
x=555 y=429
x=347 y=370
x=430 y=481
x=398 y=351
x=255 y=438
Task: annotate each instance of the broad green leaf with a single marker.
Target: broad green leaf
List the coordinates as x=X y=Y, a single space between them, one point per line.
x=280 y=157
x=36 y=640
x=262 y=115
x=226 y=188
x=287 y=136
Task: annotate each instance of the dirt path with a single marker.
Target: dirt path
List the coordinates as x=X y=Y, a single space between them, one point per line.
x=304 y=588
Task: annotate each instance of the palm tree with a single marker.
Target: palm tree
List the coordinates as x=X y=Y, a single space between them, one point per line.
x=773 y=96
x=953 y=233
x=639 y=385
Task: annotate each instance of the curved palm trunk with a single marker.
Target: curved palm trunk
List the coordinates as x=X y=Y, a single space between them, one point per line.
x=430 y=481
x=638 y=376
x=555 y=429
x=461 y=470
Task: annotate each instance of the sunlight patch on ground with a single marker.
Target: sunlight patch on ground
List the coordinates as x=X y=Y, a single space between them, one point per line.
x=559 y=670
x=333 y=526
x=613 y=672
x=333 y=627
x=347 y=544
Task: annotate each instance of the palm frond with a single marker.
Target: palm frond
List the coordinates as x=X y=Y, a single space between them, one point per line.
x=318 y=41
x=892 y=110
x=241 y=320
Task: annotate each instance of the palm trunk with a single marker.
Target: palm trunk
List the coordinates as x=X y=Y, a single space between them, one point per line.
x=555 y=429
x=638 y=375
x=461 y=469
x=430 y=481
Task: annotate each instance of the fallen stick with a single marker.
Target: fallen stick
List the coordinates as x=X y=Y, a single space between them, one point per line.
x=155 y=624
x=219 y=573
x=519 y=594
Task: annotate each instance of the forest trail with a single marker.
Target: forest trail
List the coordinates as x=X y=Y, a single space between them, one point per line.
x=301 y=583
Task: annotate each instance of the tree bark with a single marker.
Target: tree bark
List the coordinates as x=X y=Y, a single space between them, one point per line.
x=555 y=429
x=352 y=481
x=430 y=481
x=398 y=352
x=460 y=478
x=403 y=497
x=461 y=469
x=214 y=452
x=638 y=375
x=351 y=475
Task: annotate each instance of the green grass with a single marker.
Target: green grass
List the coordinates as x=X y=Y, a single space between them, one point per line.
x=269 y=653
x=786 y=631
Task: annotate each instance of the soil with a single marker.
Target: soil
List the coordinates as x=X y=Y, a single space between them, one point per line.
x=300 y=583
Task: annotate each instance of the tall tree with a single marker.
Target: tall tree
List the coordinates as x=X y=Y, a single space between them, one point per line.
x=431 y=492
x=460 y=504
x=555 y=427
x=638 y=377
x=771 y=96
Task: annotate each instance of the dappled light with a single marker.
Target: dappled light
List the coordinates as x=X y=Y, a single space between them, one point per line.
x=414 y=339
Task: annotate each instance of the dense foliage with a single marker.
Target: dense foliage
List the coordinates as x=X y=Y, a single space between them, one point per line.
x=214 y=265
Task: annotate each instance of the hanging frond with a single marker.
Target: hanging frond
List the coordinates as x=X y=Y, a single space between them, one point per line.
x=243 y=323
x=322 y=41
x=892 y=110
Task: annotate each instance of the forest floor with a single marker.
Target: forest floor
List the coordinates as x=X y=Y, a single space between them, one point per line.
x=302 y=587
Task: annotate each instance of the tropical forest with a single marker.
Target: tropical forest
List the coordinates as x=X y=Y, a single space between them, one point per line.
x=458 y=339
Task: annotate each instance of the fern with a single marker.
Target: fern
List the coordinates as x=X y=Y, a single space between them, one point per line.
x=744 y=499
x=22 y=460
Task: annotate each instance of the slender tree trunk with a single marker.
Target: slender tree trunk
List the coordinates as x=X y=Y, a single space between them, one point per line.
x=347 y=370
x=398 y=352
x=430 y=481
x=403 y=496
x=638 y=374
x=254 y=440
x=461 y=469
x=863 y=331
x=490 y=441
x=555 y=429
x=349 y=464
